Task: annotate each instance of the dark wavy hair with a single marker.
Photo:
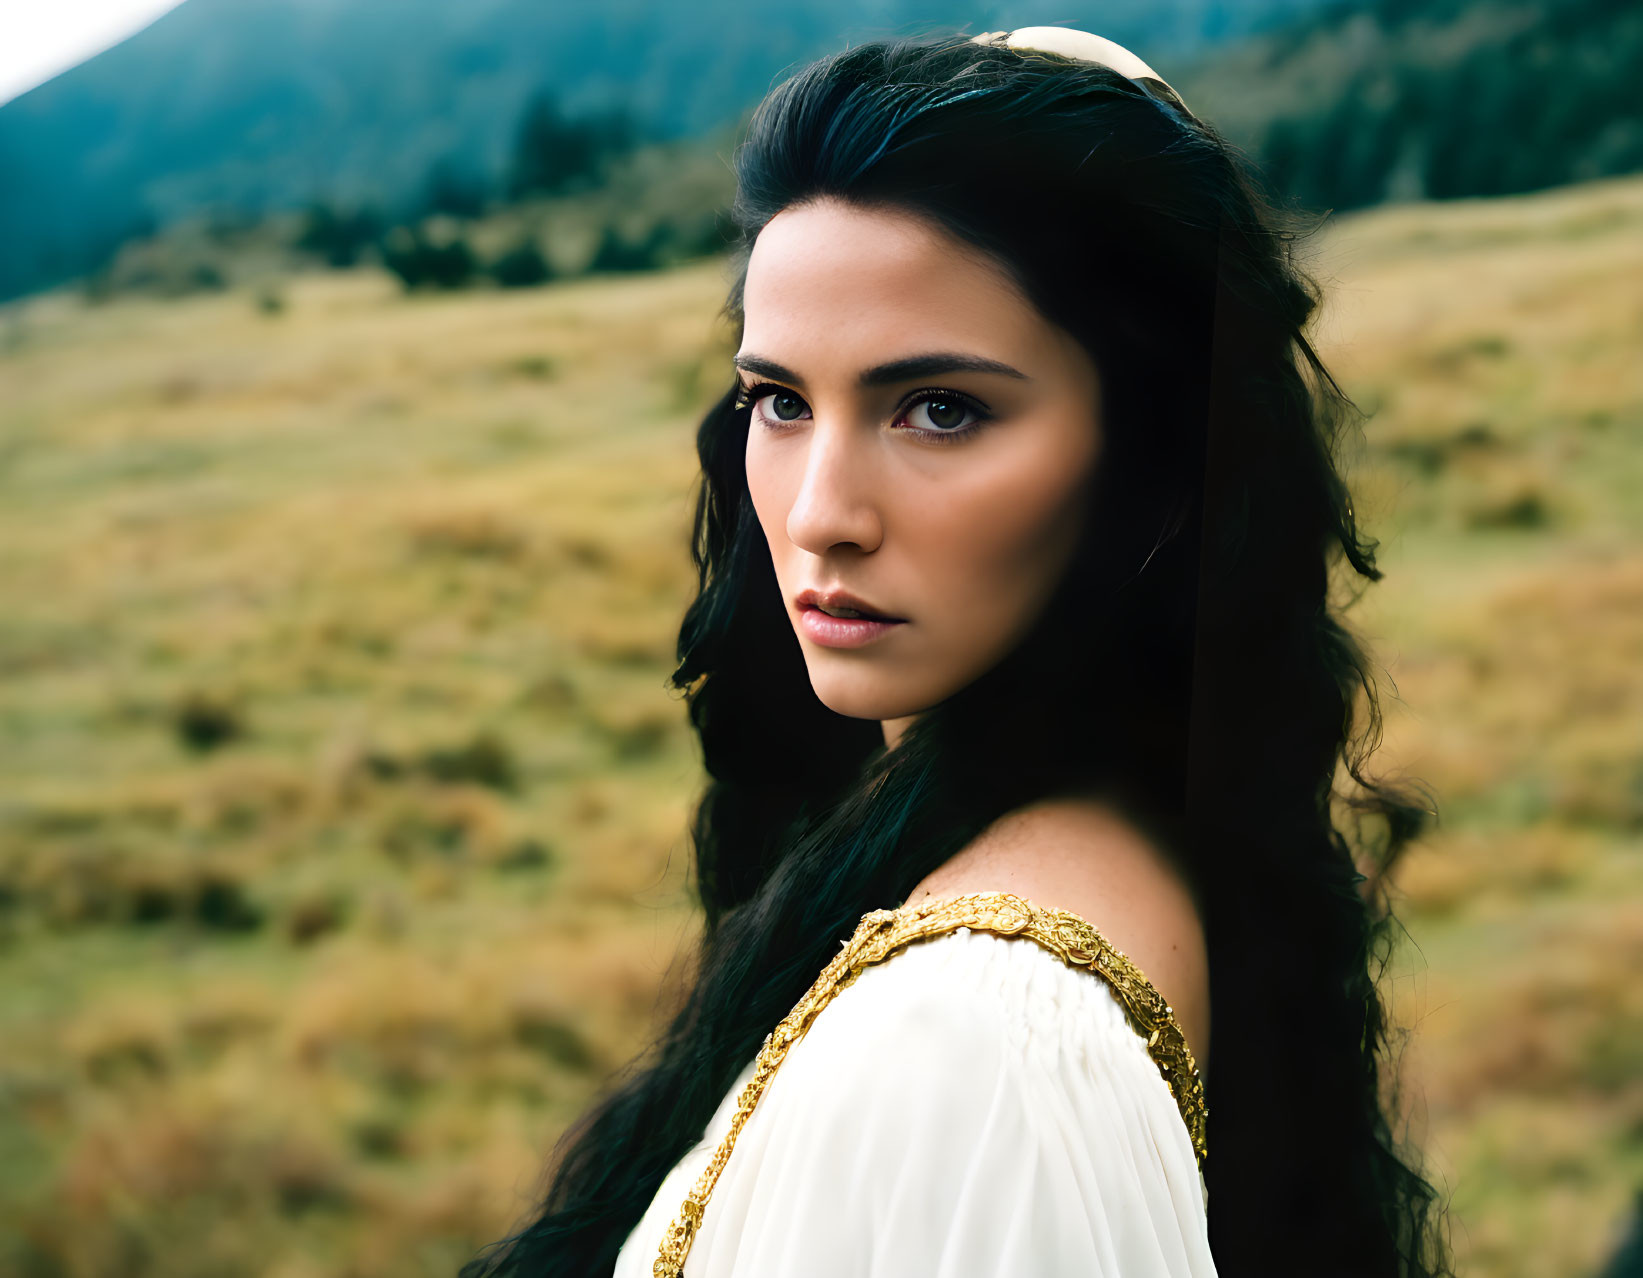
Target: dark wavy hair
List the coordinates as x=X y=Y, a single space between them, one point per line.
x=1193 y=670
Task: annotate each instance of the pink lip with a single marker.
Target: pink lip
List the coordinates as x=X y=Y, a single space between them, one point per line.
x=841 y=599
x=841 y=632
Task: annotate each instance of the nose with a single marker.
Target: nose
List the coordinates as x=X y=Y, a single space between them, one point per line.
x=836 y=503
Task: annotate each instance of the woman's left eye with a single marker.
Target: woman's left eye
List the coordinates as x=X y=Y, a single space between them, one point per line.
x=945 y=414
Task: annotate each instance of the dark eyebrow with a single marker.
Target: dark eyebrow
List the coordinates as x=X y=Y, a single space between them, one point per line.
x=897 y=370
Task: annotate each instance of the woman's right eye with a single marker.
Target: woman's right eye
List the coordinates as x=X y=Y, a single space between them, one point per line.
x=784 y=406
x=772 y=404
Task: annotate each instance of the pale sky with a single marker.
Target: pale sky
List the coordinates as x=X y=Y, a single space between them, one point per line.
x=39 y=38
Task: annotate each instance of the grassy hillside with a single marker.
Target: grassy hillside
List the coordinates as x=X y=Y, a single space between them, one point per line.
x=342 y=822
x=1496 y=343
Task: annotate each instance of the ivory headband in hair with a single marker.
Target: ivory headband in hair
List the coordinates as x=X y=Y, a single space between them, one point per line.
x=1070 y=42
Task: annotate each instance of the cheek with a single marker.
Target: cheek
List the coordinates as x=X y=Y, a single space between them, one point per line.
x=995 y=546
x=763 y=489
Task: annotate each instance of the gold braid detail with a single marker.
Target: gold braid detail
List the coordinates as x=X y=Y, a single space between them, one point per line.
x=882 y=933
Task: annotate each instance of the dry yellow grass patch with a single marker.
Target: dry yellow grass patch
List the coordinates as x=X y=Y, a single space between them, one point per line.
x=344 y=826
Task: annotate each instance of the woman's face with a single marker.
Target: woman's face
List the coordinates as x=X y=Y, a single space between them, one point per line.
x=949 y=497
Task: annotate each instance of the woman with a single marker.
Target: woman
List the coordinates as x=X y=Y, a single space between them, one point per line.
x=1022 y=375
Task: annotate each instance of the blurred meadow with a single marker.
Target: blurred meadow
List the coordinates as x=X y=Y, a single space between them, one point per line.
x=343 y=803
x=344 y=848
x=343 y=806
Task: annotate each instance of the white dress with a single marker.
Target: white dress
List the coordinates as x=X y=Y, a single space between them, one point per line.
x=972 y=1107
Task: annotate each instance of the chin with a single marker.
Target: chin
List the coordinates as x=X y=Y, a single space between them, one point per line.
x=870 y=697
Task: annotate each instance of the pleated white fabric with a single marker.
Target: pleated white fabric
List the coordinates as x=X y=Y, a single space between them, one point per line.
x=970 y=1108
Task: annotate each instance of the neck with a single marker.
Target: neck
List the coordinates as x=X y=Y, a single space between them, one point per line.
x=893 y=728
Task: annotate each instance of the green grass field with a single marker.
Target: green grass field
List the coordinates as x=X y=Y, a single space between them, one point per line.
x=342 y=829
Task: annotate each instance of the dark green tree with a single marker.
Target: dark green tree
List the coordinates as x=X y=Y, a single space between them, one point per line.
x=424 y=263
x=522 y=266
x=617 y=252
x=455 y=189
x=338 y=236
x=554 y=153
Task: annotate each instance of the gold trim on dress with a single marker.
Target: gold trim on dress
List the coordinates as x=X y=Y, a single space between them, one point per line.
x=883 y=933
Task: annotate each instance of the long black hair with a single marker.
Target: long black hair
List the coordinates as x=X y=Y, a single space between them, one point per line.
x=1193 y=669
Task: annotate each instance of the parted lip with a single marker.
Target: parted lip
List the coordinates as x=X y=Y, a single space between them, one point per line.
x=841 y=599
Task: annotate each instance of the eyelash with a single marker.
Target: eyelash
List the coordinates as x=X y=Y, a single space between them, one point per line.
x=748 y=396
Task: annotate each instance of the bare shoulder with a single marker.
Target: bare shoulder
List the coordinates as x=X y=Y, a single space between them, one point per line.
x=1082 y=855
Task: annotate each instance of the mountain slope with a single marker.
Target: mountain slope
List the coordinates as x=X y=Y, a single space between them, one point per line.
x=259 y=104
x=1404 y=99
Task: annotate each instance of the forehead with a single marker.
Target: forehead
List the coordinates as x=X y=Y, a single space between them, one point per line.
x=834 y=281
